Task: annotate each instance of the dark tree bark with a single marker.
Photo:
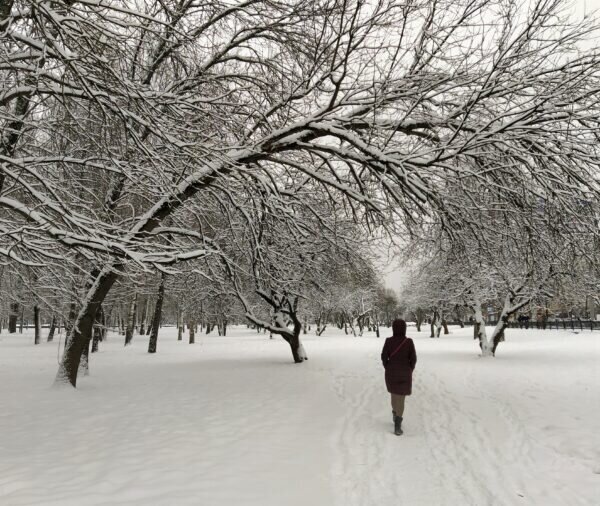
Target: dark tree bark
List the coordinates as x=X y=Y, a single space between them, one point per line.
x=80 y=333
x=131 y=321
x=222 y=326
x=84 y=363
x=52 y=329
x=121 y=323
x=419 y=316
x=70 y=319
x=150 y=328
x=179 y=324
x=192 y=331
x=104 y=325
x=37 y=325
x=435 y=328
x=97 y=332
x=156 y=317
x=13 y=317
x=144 y=316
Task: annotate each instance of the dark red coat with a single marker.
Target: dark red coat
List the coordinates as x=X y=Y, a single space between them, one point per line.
x=400 y=366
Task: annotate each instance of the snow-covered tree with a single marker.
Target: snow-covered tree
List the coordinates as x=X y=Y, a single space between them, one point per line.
x=384 y=104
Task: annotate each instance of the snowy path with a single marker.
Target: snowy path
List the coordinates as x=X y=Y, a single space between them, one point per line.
x=229 y=421
x=475 y=433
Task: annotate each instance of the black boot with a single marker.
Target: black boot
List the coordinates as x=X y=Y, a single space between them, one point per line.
x=398 y=426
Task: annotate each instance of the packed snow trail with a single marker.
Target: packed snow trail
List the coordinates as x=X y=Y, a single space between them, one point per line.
x=230 y=421
x=476 y=431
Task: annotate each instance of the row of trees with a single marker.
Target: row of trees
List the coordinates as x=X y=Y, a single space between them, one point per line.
x=253 y=148
x=345 y=295
x=516 y=259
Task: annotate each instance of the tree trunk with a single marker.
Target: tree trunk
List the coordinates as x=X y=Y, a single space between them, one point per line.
x=122 y=324
x=179 y=325
x=21 y=319
x=37 y=324
x=104 y=322
x=157 y=316
x=436 y=324
x=13 y=317
x=445 y=325
x=131 y=321
x=97 y=331
x=96 y=337
x=480 y=333
x=192 y=331
x=149 y=327
x=80 y=333
x=70 y=320
x=52 y=329
x=419 y=316
x=144 y=317
x=293 y=339
x=84 y=363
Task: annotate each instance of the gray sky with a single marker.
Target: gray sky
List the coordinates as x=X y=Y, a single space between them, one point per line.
x=587 y=5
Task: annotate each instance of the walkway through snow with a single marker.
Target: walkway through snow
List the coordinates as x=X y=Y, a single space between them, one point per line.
x=229 y=421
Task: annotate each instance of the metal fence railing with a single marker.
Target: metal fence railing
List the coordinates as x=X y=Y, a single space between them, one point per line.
x=557 y=324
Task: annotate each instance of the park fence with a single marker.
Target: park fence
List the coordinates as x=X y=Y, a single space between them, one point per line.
x=556 y=324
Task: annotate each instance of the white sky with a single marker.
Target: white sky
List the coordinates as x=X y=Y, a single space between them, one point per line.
x=587 y=5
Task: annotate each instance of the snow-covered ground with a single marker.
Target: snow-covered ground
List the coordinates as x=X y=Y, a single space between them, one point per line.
x=231 y=421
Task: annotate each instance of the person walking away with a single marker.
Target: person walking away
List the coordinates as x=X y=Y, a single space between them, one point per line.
x=399 y=358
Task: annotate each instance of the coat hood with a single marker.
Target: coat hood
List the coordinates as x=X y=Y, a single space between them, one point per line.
x=399 y=328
